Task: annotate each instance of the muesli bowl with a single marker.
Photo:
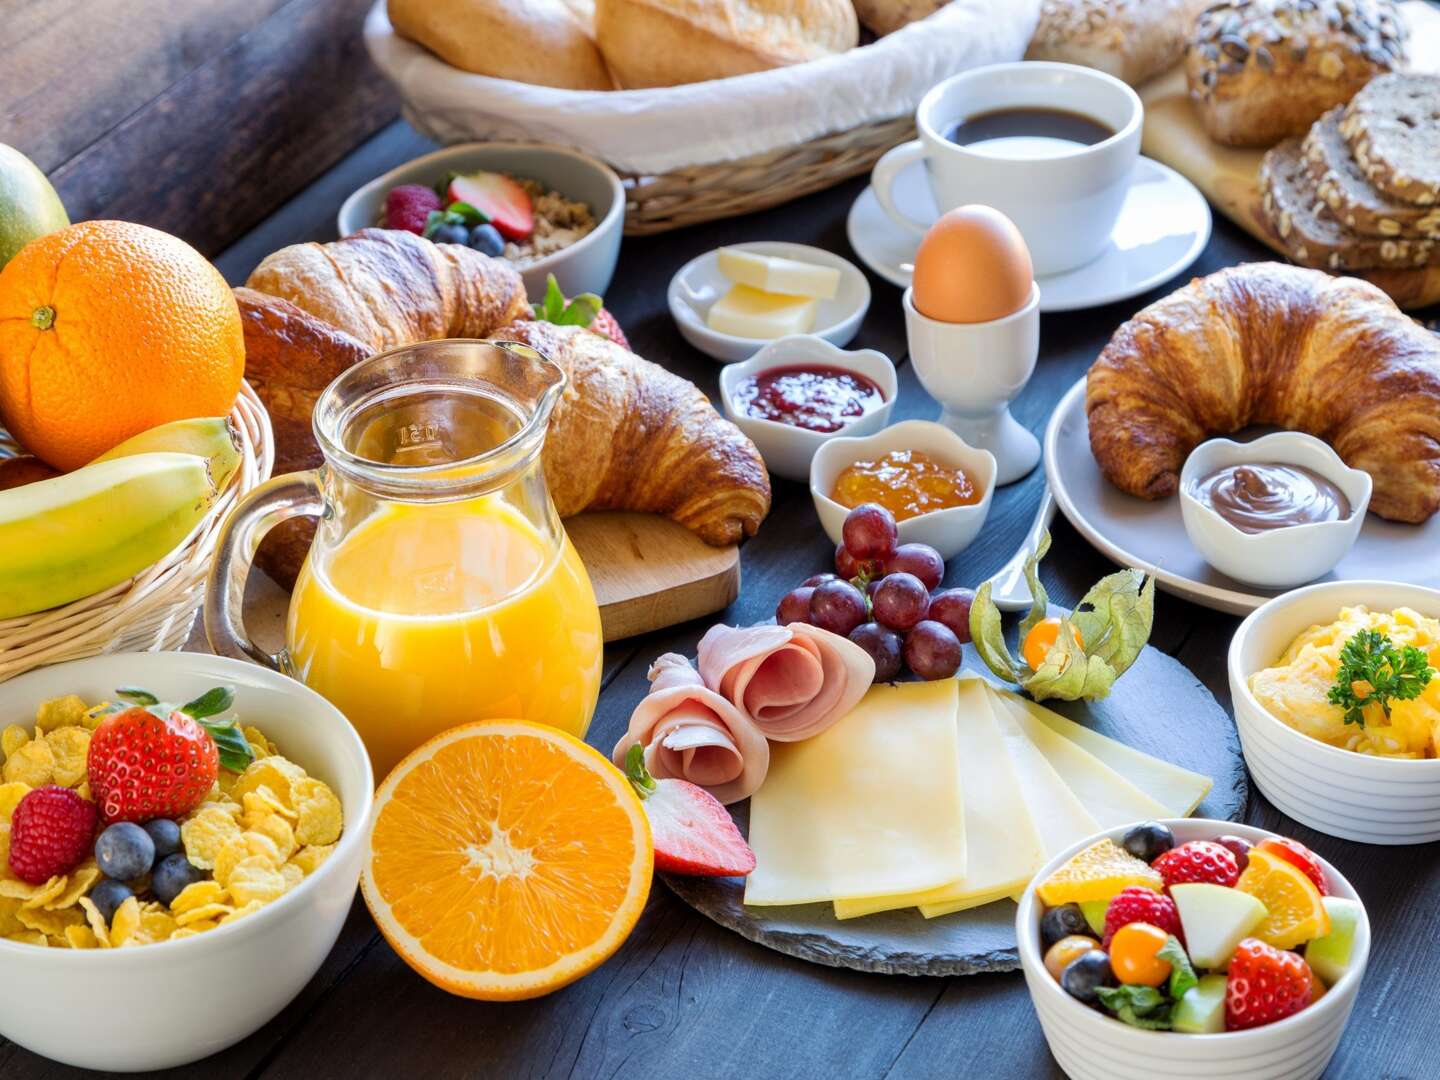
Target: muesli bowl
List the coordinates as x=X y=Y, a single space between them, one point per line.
x=167 y=1003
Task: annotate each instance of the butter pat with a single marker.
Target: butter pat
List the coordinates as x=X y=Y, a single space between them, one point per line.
x=773 y=274
x=751 y=313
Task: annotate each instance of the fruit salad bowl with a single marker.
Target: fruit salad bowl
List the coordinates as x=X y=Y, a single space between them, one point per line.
x=1091 y=1045
x=166 y=1003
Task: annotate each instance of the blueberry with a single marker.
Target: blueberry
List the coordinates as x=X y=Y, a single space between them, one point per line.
x=1148 y=841
x=450 y=234
x=487 y=240
x=166 y=836
x=1086 y=974
x=124 y=851
x=109 y=895
x=172 y=875
x=1061 y=921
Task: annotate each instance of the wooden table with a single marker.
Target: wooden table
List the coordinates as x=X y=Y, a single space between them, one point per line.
x=684 y=998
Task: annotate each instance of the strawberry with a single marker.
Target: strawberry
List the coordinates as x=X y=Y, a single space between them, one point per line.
x=1297 y=854
x=1135 y=903
x=151 y=760
x=51 y=830
x=693 y=832
x=1264 y=984
x=503 y=201
x=585 y=310
x=1199 y=860
x=409 y=207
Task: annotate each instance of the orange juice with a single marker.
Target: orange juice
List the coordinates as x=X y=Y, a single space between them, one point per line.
x=427 y=616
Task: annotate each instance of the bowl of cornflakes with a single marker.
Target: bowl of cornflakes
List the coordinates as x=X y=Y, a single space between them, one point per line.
x=1337 y=702
x=154 y=852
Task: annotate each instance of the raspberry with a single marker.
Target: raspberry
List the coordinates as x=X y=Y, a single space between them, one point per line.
x=1199 y=860
x=1135 y=903
x=51 y=830
x=408 y=206
x=1265 y=984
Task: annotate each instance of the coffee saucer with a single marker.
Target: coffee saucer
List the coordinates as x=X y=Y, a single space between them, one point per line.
x=1163 y=227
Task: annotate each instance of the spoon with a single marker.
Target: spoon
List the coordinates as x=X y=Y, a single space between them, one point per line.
x=1008 y=587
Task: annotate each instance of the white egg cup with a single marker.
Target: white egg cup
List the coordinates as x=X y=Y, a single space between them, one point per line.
x=975 y=370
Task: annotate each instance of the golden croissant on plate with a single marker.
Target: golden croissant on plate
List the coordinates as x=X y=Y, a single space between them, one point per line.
x=1268 y=343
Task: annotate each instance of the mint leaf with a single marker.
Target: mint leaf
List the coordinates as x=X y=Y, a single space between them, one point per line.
x=436 y=218
x=213 y=702
x=1182 y=974
x=470 y=215
x=1139 y=1006
x=136 y=695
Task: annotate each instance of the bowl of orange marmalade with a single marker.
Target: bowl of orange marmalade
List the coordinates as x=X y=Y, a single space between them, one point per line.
x=936 y=484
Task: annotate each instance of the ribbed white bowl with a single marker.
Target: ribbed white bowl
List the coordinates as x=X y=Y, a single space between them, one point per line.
x=1090 y=1045
x=1373 y=800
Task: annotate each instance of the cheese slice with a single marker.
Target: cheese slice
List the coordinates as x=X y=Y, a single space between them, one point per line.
x=934 y=911
x=750 y=313
x=1060 y=817
x=1002 y=846
x=869 y=807
x=775 y=274
x=1179 y=791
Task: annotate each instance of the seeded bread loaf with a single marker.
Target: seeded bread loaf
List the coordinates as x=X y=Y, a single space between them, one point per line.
x=1345 y=189
x=1134 y=40
x=1393 y=127
x=1311 y=234
x=1262 y=70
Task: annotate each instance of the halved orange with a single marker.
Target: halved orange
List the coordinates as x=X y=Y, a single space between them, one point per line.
x=1296 y=911
x=506 y=860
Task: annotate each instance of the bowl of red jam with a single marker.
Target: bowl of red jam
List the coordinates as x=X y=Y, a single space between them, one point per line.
x=798 y=392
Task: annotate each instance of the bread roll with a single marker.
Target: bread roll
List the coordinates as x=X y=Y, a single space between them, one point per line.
x=544 y=42
x=670 y=42
x=1134 y=40
x=886 y=16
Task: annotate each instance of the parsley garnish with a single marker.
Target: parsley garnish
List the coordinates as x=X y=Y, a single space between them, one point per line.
x=1373 y=671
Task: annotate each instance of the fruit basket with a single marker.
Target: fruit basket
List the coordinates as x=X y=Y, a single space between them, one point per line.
x=716 y=149
x=156 y=609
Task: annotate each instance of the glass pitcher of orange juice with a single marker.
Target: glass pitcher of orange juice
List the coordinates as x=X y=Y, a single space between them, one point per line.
x=440 y=587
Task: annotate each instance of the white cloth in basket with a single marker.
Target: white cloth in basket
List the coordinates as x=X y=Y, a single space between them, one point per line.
x=655 y=131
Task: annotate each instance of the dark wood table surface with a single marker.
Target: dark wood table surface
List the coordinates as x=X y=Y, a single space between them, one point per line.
x=684 y=998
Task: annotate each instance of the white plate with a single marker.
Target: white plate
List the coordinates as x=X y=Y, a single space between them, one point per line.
x=1163 y=227
x=1151 y=535
x=699 y=283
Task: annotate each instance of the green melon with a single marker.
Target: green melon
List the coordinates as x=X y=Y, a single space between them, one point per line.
x=29 y=206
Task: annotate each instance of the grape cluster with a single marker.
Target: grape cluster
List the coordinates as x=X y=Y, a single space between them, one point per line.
x=880 y=598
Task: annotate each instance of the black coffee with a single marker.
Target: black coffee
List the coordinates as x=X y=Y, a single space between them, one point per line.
x=1029 y=124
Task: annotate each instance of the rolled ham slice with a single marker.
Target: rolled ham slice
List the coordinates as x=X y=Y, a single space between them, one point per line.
x=793 y=681
x=690 y=732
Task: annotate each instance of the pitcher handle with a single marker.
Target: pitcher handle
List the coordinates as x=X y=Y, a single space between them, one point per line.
x=292 y=495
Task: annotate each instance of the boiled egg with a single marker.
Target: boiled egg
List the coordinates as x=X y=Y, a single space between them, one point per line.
x=972 y=267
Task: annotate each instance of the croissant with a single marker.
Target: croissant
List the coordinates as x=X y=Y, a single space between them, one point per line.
x=1268 y=343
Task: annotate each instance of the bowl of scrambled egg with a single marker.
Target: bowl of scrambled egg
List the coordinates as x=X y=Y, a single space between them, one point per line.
x=1337 y=701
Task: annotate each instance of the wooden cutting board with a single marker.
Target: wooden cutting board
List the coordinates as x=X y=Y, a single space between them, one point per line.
x=1228 y=177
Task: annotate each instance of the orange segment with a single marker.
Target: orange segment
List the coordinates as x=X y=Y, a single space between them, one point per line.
x=507 y=859
x=1296 y=912
x=1097 y=873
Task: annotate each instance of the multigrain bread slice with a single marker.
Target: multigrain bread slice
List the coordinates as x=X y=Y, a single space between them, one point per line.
x=1357 y=203
x=1311 y=234
x=1393 y=127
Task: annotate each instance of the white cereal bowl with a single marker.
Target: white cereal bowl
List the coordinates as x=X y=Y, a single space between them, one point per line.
x=788 y=450
x=699 y=283
x=948 y=531
x=585 y=266
x=1277 y=558
x=167 y=1004
x=1090 y=1045
x=1361 y=797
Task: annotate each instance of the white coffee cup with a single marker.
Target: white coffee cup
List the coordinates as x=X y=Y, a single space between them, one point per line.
x=1065 y=204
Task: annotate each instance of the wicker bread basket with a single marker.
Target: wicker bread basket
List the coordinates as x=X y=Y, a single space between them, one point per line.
x=156 y=609
x=717 y=149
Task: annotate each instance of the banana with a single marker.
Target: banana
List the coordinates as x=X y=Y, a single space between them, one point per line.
x=211 y=437
x=83 y=532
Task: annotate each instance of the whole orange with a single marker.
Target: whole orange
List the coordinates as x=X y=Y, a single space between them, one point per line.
x=108 y=328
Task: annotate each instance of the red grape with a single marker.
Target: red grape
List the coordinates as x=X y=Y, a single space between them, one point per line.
x=900 y=601
x=952 y=607
x=922 y=560
x=837 y=606
x=932 y=651
x=794 y=606
x=847 y=566
x=816 y=579
x=884 y=647
x=869 y=532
